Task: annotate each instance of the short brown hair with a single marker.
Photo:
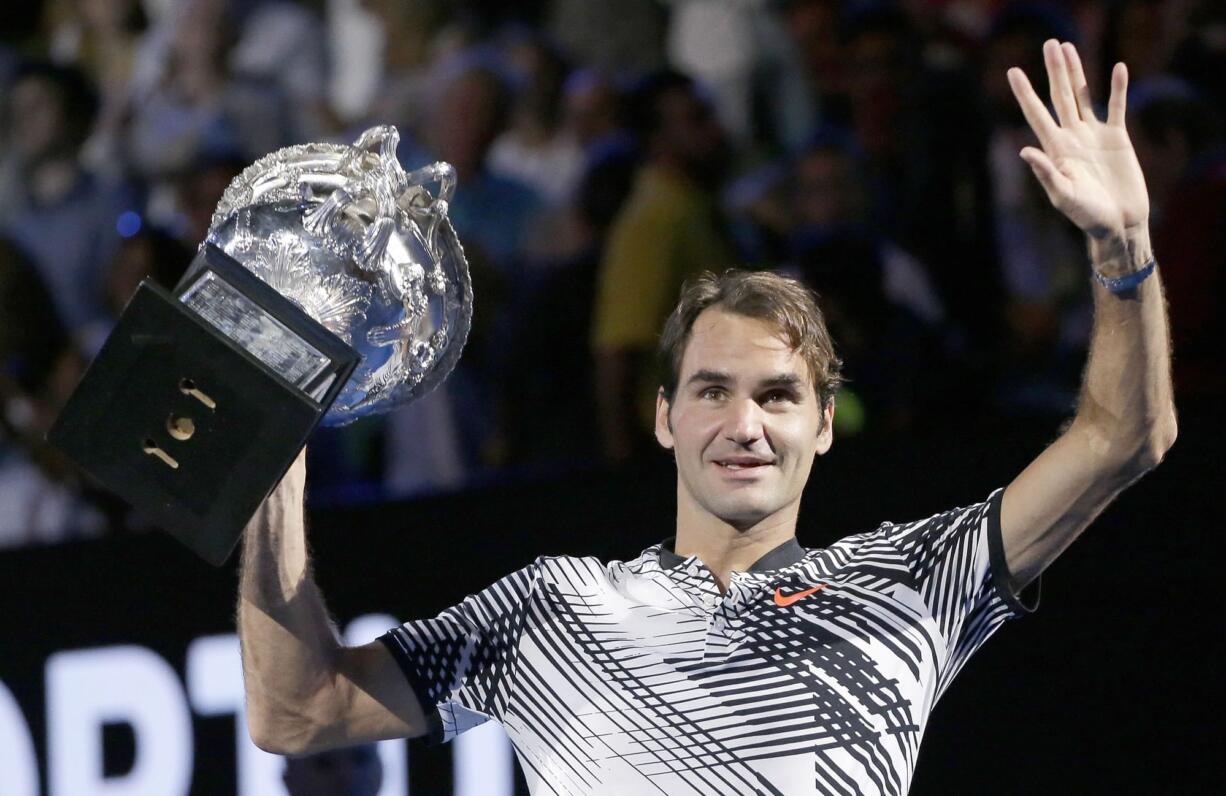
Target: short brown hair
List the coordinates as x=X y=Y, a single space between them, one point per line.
x=784 y=303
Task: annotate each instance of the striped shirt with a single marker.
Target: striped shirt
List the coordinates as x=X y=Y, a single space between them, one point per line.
x=814 y=673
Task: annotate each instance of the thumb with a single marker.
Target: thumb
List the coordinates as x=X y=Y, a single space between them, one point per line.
x=1054 y=183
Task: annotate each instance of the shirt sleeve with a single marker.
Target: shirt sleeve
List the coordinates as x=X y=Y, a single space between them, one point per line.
x=462 y=663
x=957 y=561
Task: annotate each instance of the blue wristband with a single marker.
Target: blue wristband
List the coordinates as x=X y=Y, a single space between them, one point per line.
x=1125 y=284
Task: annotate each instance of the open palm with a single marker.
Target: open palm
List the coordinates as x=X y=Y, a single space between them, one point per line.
x=1087 y=167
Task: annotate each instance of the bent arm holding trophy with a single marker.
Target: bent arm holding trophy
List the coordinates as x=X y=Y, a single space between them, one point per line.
x=383 y=269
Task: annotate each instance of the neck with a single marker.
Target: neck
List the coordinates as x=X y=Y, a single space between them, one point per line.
x=674 y=169
x=689 y=173
x=724 y=547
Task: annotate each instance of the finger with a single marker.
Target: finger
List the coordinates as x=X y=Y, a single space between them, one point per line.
x=1077 y=77
x=1118 y=103
x=1058 y=83
x=1054 y=183
x=1036 y=113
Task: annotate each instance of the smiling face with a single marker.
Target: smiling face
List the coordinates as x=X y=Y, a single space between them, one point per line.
x=745 y=423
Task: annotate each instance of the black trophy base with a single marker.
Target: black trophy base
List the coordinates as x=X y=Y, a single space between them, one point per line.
x=185 y=425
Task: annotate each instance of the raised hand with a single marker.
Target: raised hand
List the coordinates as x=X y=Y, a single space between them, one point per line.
x=1087 y=167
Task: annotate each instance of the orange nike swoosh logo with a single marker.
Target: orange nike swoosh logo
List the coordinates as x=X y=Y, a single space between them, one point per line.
x=785 y=600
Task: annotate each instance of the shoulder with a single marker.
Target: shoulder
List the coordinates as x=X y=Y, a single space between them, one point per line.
x=945 y=530
x=853 y=550
x=578 y=569
x=654 y=199
x=891 y=535
x=571 y=568
x=960 y=515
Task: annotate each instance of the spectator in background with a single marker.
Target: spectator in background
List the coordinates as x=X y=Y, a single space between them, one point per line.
x=410 y=33
x=668 y=231
x=742 y=51
x=197 y=105
x=282 y=44
x=31 y=337
x=813 y=27
x=149 y=253
x=102 y=38
x=905 y=148
x=197 y=190
x=909 y=106
x=591 y=100
x=552 y=356
x=40 y=495
x=470 y=103
x=143 y=252
x=536 y=148
x=61 y=214
x=877 y=298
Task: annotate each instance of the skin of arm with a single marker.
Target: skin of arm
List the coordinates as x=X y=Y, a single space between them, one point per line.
x=305 y=690
x=1125 y=420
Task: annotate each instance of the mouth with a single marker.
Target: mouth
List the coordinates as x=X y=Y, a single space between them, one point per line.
x=741 y=464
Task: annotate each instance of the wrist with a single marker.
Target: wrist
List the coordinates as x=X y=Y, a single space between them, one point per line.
x=1121 y=254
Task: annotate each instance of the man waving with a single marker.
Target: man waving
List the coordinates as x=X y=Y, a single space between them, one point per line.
x=729 y=658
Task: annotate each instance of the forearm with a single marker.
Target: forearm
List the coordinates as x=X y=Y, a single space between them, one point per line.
x=289 y=645
x=1124 y=425
x=1126 y=402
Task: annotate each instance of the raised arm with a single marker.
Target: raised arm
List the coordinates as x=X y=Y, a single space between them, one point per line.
x=305 y=690
x=1125 y=420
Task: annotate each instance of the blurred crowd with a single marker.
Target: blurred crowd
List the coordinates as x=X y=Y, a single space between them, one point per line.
x=606 y=151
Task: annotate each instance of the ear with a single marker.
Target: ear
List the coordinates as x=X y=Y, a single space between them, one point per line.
x=825 y=437
x=664 y=428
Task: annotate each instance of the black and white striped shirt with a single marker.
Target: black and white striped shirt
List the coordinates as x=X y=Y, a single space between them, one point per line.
x=814 y=673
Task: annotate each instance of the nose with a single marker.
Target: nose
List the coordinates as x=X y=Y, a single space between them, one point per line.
x=744 y=423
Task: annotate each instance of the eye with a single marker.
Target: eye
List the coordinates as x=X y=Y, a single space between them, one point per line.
x=711 y=393
x=778 y=397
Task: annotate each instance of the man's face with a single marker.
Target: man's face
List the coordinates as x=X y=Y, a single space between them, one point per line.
x=826 y=190
x=465 y=122
x=37 y=119
x=745 y=422
x=690 y=134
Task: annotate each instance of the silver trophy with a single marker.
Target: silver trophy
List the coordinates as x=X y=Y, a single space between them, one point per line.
x=331 y=286
x=365 y=249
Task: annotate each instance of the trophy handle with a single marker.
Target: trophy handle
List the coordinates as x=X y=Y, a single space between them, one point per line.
x=435 y=205
x=381 y=140
x=437 y=172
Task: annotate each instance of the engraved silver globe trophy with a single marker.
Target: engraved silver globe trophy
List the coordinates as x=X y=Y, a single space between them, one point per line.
x=331 y=286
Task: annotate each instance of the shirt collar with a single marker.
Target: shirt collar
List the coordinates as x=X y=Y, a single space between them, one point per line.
x=782 y=556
